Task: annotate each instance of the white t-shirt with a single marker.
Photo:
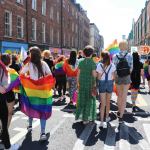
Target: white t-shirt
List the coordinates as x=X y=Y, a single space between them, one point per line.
x=100 y=70
x=33 y=71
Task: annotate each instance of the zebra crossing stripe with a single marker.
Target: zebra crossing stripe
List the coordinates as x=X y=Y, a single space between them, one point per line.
x=124 y=137
x=141 y=101
x=110 y=141
x=147 y=131
x=141 y=142
x=80 y=144
x=22 y=132
x=57 y=126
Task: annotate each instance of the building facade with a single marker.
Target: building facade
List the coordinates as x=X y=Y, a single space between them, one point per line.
x=12 y=26
x=58 y=25
x=95 y=38
x=140 y=32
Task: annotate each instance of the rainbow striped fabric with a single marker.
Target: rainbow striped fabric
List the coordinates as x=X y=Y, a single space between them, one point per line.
x=70 y=70
x=59 y=68
x=146 y=73
x=36 y=96
x=13 y=76
x=113 y=48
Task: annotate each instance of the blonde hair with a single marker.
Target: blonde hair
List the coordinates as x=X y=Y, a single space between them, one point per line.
x=46 y=54
x=123 y=45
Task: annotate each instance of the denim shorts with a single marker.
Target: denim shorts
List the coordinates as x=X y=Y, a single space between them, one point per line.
x=106 y=86
x=123 y=80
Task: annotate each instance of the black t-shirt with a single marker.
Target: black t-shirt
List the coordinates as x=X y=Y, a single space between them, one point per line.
x=49 y=62
x=15 y=67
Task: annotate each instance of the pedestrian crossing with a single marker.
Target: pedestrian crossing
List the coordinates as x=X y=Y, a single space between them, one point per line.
x=62 y=126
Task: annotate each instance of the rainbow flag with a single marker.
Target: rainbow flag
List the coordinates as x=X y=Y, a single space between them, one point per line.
x=70 y=70
x=59 y=68
x=113 y=48
x=13 y=76
x=146 y=73
x=36 y=96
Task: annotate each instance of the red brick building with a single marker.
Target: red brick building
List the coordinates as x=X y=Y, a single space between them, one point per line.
x=49 y=24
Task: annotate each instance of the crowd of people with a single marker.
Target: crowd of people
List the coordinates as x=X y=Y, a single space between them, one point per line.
x=80 y=74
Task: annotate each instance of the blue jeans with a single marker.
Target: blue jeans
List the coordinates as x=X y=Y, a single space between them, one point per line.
x=106 y=86
x=42 y=122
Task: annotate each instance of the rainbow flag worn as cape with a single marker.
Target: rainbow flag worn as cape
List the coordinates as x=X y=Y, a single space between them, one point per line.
x=36 y=96
x=70 y=70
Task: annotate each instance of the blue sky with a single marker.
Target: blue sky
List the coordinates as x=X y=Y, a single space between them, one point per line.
x=113 y=17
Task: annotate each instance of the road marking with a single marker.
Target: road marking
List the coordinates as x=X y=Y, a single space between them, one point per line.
x=124 y=137
x=142 y=119
x=110 y=140
x=22 y=132
x=14 y=118
x=69 y=115
x=57 y=126
x=80 y=143
x=147 y=131
x=140 y=102
x=20 y=135
x=138 y=138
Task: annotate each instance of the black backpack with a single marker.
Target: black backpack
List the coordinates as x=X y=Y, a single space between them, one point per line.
x=123 y=68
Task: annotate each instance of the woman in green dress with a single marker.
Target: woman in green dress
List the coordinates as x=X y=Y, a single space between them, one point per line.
x=86 y=104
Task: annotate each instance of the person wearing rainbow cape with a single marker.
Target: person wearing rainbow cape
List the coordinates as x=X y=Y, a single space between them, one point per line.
x=37 y=103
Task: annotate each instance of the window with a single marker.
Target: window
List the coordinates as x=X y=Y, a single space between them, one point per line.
x=33 y=29
x=34 y=4
x=58 y=17
x=72 y=27
x=44 y=7
x=64 y=40
x=8 y=23
x=51 y=35
x=43 y=32
x=19 y=27
x=19 y=1
x=58 y=37
x=63 y=3
x=72 y=42
x=76 y=28
x=51 y=13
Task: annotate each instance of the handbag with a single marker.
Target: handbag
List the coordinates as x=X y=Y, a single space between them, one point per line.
x=94 y=91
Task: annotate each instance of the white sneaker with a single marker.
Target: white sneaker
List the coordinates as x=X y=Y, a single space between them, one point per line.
x=108 y=119
x=104 y=125
x=101 y=125
x=43 y=137
x=14 y=147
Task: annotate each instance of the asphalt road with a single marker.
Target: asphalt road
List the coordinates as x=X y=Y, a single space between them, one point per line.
x=64 y=133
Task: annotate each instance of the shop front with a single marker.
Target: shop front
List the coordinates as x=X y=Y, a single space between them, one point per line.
x=12 y=47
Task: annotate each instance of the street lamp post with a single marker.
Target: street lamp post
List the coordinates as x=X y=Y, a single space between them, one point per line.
x=61 y=25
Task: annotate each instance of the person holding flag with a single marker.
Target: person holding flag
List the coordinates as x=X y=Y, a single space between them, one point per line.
x=36 y=95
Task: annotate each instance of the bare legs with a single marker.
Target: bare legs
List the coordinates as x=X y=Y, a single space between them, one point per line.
x=10 y=111
x=122 y=91
x=105 y=102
